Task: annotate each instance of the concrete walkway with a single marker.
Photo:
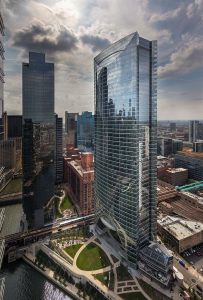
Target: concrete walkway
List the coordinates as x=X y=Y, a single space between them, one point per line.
x=89 y=276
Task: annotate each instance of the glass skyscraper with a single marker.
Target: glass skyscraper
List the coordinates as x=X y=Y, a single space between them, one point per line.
x=126 y=141
x=1 y=74
x=39 y=140
x=85 y=131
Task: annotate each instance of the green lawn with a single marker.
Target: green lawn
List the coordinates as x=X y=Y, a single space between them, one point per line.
x=92 y=258
x=102 y=277
x=14 y=186
x=132 y=296
x=66 y=204
x=106 y=278
x=72 y=250
x=123 y=274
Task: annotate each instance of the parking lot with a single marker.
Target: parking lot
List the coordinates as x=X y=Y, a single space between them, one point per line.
x=194 y=257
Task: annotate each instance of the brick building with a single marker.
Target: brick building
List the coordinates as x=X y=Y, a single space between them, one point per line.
x=79 y=175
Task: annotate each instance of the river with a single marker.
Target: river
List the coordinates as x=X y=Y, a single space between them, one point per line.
x=22 y=282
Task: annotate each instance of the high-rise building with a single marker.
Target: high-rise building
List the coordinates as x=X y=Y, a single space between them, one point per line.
x=2 y=241
x=59 y=150
x=11 y=154
x=167 y=146
x=79 y=175
x=193 y=131
x=85 y=131
x=193 y=161
x=39 y=140
x=71 y=128
x=1 y=75
x=198 y=147
x=14 y=126
x=172 y=127
x=126 y=141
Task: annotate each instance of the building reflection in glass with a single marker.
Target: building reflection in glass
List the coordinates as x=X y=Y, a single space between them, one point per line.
x=125 y=140
x=38 y=137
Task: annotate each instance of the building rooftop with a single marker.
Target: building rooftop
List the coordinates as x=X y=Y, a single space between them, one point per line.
x=76 y=164
x=180 y=228
x=196 y=155
x=176 y=170
x=196 y=197
x=158 y=253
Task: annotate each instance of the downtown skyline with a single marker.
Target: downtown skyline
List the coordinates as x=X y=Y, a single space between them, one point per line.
x=72 y=34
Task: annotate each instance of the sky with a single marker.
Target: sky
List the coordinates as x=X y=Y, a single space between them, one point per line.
x=73 y=32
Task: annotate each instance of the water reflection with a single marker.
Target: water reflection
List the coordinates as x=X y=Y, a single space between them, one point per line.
x=25 y=283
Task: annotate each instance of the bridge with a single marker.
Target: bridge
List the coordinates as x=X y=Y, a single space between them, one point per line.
x=23 y=239
x=192 y=186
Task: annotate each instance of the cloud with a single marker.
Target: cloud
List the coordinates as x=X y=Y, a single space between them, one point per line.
x=184 y=60
x=194 y=7
x=166 y=16
x=96 y=42
x=45 y=39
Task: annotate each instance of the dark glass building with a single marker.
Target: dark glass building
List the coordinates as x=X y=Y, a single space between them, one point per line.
x=1 y=75
x=85 y=131
x=126 y=141
x=71 y=128
x=14 y=126
x=193 y=131
x=59 y=150
x=38 y=137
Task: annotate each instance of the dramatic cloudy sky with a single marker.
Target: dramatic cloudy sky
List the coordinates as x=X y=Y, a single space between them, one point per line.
x=72 y=32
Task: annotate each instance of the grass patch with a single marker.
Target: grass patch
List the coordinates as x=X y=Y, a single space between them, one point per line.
x=132 y=296
x=72 y=250
x=92 y=258
x=14 y=186
x=106 y=278
x=123 y=274
x=66 y=204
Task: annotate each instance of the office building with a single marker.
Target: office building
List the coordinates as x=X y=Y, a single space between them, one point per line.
x=177 y=145
x=180 y=233
x=173 y=127
x=39 y=139
x=1 y=75
x=168 y=146
x=79 y=175
x=11 y=154
x=193 y=131
x=198 y=147
x=192 y=161
x=175 y=176
x=164 y=146
x=59 y=150
x=85 y=131
x=14 y=126
x=126 y=142
x=2 y=136
x=157 y=262
x=71 y=128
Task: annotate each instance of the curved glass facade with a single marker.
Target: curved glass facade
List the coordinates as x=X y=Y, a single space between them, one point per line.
x=1 y=74
x=125 y=140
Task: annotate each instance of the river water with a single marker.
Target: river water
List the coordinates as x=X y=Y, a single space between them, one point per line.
x=22 y=282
